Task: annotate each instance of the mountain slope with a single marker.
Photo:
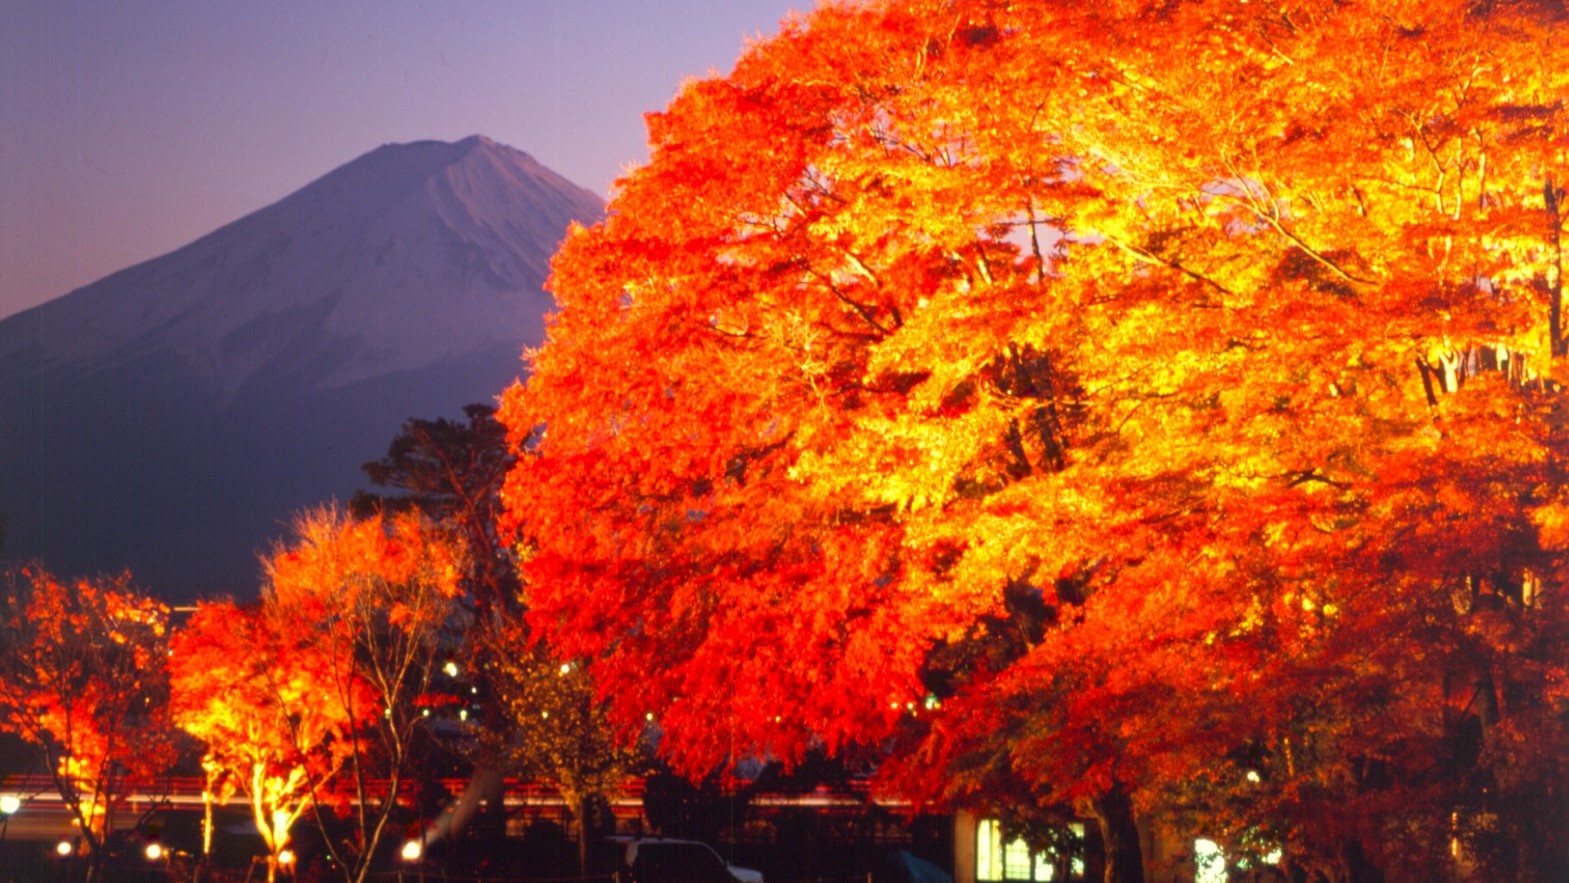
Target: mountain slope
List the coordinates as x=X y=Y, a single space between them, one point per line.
x=171 y=417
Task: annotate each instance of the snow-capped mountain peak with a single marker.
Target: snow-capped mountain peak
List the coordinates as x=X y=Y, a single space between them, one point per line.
x=172 y=416
x=411 y=254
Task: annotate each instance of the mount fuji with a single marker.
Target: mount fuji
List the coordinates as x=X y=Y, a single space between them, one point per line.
x=172 y=417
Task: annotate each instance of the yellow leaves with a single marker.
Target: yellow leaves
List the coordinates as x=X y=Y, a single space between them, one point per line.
x=906 y=461
x=1552 y=526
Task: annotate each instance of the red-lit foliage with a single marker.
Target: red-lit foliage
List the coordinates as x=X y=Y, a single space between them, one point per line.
x=375 y=597
x=82 y=677
x=262 y=700
x=329 y=675
x=1166 y=391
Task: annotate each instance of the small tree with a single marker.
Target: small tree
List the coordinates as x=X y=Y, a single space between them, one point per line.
x=261 y=698
x=558 y=729
x=375 y=599
x=82 y=677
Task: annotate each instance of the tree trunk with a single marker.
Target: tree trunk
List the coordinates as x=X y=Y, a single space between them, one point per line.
x=1359 y=865
x=1119 y=837
x=201 y=866
x=581 y=807
x=1552 y=196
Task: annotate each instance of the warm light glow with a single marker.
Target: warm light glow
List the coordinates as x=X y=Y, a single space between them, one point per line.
x=566 y=668
x=10 y=803
x=451 y=668
x=1209 y=862
x=412 y=851
x=154 y=851
x=286 y=857
x=63 y=848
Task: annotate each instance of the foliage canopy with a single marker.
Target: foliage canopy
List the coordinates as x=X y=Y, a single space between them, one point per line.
x=82 y=677
x=1090 y=400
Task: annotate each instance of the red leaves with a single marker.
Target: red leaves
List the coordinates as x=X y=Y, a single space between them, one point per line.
x=273 y=711
x=337 y=657
x=83 y=678
x=828 y=426
x=253 y=689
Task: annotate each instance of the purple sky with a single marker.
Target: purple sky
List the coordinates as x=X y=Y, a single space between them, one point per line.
x=130 y=129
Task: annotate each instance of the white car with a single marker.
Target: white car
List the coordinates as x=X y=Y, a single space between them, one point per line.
x=664 y=860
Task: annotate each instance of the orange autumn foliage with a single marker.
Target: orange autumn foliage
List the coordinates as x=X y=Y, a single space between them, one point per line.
x=82 y=678
x=259 y=697
x=1165 y=391
x=326 y=679
x=380 y=596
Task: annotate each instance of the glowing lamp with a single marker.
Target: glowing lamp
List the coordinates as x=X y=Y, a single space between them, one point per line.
x=63 y=848
x=10 y=803
x=412 y=851
x=154 y=851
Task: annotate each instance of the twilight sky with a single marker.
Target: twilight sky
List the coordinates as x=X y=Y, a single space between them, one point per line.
x=130 y=129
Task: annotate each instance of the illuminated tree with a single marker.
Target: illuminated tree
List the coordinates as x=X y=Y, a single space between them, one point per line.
x=82 y=677
x=264 y=702
x=375 y=600
x=1088 y=400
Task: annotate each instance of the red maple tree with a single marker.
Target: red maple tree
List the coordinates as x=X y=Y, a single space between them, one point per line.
x=376 y=600
x=82 y=677
x=329 y=675
x=1114 y=407
x=262 y=701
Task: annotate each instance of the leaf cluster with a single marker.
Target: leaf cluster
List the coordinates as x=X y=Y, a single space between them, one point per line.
x=1225 y=333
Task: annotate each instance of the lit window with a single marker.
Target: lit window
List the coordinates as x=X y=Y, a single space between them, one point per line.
x=999 y=861
x=1016 y=864
x=1209 y=862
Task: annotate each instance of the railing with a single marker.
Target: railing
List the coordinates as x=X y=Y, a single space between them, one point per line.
x=187 y=790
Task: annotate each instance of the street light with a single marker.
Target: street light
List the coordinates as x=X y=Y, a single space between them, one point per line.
x=9 y=804
x=413 y=851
